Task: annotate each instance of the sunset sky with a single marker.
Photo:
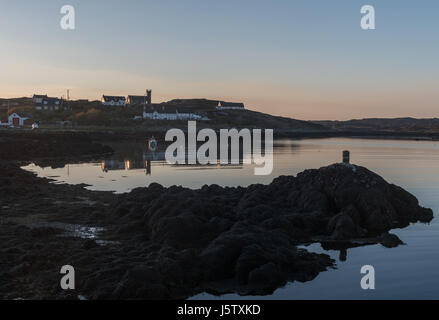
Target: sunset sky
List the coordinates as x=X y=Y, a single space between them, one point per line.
x=304 y=59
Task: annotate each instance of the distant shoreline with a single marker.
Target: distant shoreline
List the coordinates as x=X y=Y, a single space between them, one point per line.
x=362 y=135
x=126 y=133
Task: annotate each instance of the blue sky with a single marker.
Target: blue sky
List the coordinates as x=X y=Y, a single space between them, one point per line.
x=306 y=59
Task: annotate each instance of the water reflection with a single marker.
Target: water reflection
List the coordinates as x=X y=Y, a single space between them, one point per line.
x=143 y=161
x=343 y=255
x=116 y=165
x=413 y=165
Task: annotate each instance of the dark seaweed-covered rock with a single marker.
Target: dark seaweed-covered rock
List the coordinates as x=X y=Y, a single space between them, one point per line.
x=248 y=237
x=389 y=240
x=171 y=243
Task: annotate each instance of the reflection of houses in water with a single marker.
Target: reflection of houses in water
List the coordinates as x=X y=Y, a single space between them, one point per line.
x=161 y=157
x=134 y=164
x=108 y=165
x=144 y=162
x=116 y=165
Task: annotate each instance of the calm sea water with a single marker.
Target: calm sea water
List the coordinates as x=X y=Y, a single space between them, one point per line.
x=406 y=272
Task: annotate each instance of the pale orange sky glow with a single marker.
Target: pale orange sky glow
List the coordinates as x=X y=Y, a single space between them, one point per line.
x=297 y=102
x=287 y=59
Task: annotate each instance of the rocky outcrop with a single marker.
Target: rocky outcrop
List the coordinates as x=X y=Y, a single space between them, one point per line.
x=248 y=237
x=175 y=242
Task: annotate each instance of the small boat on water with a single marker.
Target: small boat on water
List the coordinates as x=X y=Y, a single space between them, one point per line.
x=152 y=144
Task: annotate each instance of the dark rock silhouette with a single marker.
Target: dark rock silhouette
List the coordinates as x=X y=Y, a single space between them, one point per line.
x=168 y=243
x=248 y=237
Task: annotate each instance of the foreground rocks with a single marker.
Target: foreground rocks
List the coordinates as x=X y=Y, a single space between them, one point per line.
x=248 y=237
x=168 y=243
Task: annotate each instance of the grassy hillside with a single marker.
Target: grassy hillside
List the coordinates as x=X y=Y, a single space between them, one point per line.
x=253 y=119
x=94 y=116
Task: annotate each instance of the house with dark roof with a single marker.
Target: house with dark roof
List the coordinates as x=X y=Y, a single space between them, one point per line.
x=49 y=103
x=136 y=100
x=140 y=100
x=222 y=105
x=38 y=98
x=113 y=100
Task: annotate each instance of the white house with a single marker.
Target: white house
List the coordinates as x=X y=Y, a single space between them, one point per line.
x=172 y=113
x=113 y=100
x=18 y=121
x=222 y=105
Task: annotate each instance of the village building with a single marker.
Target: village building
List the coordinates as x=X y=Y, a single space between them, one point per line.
x=52 y=104
x=222 y=105
x=140 y=100
x=19 y=121
x=113 y=100
x=172 y=113
x=136 y=100
x=45 y=103
x=38 y=99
